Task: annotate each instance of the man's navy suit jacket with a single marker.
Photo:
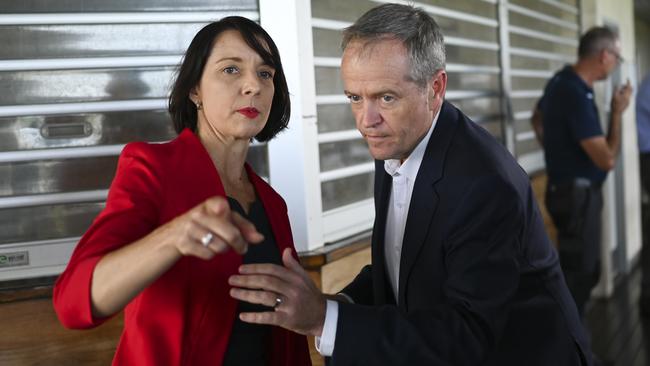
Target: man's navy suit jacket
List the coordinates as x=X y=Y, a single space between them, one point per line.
x=479 y=282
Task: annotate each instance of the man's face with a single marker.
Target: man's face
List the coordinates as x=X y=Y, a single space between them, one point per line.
x=611 y=58
x=391 y=111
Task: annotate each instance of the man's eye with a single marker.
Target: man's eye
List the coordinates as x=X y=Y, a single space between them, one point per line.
x=354 y=98
x=387 y=98
x=230 y=70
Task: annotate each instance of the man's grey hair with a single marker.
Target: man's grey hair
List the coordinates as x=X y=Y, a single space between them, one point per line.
x=596 y=40
x=419 y=33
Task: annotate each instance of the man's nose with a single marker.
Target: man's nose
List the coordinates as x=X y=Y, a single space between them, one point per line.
x=370 y=115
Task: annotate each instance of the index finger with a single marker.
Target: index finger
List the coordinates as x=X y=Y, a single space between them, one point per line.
x=628 y=86
x=229 y=233
x=264 y=268
x=269 y=269
x=247 y=229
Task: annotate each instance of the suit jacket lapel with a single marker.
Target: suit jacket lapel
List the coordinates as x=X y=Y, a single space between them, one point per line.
x=383 y=184
x=276 y=211
x=425 y=198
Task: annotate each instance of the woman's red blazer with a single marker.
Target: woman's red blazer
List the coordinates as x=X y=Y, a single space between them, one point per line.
x=186 y=316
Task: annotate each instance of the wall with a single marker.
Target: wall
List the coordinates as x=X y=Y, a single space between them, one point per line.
x=642 y=33
x=622 y=13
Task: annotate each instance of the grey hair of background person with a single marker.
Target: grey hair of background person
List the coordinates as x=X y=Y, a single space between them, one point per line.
x=418 y=31
x=595 y=40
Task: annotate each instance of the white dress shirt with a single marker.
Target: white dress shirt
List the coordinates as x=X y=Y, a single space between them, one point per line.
x=404 y=175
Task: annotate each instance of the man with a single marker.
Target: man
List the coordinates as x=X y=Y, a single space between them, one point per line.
x=578 y=155
x=643 y=133
x=462 y=272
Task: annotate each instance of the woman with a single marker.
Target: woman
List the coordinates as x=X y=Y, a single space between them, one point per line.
x=179 y=217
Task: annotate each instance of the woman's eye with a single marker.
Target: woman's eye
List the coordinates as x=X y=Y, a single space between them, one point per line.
x=230 y=70
x=266 y=75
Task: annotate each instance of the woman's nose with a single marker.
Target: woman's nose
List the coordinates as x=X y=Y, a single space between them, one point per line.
x=251 y=85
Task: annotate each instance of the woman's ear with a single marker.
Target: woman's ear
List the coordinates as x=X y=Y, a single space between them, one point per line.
x=194 y=96
x=196 y=99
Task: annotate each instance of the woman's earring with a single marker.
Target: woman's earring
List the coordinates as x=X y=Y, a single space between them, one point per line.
x=199 y=105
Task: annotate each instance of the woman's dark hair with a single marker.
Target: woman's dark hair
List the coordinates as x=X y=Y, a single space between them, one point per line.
x=183 y=111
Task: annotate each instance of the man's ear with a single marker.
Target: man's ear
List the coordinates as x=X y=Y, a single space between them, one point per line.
x=440 y=82
x=437 y=87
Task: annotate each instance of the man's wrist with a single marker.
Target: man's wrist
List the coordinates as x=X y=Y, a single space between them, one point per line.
x=318 y=329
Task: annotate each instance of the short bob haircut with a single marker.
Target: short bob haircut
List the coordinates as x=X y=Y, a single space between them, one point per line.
x=183 y=111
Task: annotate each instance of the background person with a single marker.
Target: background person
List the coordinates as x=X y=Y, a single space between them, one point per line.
x=578 y=155
x=643 y=134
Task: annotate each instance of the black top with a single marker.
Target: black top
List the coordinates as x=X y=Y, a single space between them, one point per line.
x=570 y=116
x=249 y=343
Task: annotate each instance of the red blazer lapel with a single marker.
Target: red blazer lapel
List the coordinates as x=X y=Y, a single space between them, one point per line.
x=276 y=211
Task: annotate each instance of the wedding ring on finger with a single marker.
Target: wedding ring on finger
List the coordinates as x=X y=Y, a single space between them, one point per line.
x=278 y=302
x=207 y=239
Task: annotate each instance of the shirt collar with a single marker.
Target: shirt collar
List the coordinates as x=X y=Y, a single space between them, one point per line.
x=412 y=164
x=570 y=73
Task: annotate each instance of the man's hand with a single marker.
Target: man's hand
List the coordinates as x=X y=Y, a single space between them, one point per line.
x=302 y=307
x=621 y=98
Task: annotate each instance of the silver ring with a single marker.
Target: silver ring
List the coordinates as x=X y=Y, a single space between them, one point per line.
x=207 y=239
x=278 y=302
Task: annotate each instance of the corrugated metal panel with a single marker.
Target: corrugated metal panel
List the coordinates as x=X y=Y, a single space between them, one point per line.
x=81 y=78
x=542 y=37
x=472 y=44
x=97 y=6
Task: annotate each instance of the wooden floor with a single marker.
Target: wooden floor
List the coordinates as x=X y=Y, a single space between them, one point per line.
x=620 y=336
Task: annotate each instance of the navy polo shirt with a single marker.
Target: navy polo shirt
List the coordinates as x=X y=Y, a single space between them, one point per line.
x=569 y=116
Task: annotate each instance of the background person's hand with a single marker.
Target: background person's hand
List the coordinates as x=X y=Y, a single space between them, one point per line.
x=621 y=98
x=213 y=217
x=302 y=307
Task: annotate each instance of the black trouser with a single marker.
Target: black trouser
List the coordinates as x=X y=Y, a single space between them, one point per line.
x=576 y=211
x=644 y=163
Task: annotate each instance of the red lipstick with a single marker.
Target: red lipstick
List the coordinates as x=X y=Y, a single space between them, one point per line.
x=249 y=112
